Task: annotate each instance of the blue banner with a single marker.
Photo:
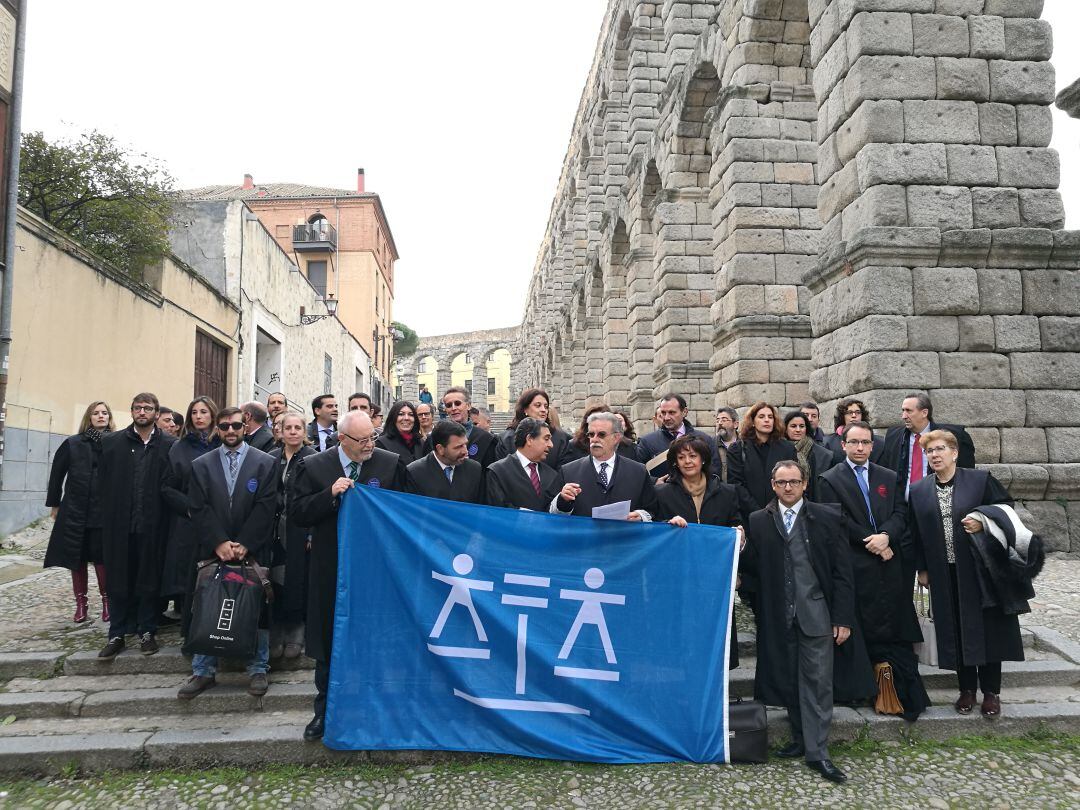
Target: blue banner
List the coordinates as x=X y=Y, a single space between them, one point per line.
x=475 y=628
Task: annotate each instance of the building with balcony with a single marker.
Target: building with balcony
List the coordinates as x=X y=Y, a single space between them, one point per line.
x=341 y=242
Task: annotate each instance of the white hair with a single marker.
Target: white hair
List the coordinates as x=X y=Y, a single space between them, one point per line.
x=616 y=422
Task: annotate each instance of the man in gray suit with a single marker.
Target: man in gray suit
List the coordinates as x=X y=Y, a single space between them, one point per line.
x=805 y=606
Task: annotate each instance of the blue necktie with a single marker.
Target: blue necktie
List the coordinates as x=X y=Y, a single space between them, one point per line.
x=860 y=476
x=449 y=474
x=789 y=520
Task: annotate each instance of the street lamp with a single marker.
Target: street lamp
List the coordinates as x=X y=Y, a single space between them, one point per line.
x=331 y=310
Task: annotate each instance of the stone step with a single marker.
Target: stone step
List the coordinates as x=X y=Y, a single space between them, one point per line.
x=168 y=659
x=28 y=664
x=252 y=739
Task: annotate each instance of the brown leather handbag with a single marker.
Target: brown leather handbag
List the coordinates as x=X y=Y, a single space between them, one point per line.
x=887 y=701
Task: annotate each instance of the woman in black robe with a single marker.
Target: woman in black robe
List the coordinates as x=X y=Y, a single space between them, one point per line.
x=402 y=433
x=814 y=458
x=692 y=494
x=292 y=544
x=76 y=508
x=534 y=403
x=971 y=639
x=197 y=437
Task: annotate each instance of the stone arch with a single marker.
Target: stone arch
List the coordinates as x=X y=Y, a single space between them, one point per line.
x=616 y=342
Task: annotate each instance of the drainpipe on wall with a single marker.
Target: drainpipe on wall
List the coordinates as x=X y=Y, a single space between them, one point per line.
x=11 y=218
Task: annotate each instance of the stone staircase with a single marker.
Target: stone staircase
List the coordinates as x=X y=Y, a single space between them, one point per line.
x=73 y=710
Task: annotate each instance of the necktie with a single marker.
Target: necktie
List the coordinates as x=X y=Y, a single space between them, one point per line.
x=860 y=476
x=449 y=474
x=534 y=477
x=789 y=520
x=603 y=475
x=918 y=466
x=234 y=467
x=326 y=434
x=354 y=470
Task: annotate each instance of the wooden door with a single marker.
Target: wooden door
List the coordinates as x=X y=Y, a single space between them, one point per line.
x=211 y=368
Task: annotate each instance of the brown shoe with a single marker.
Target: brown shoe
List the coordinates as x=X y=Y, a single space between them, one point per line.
x=195 y=686
x=991 y=705
x=965 y=703
x=258 y=685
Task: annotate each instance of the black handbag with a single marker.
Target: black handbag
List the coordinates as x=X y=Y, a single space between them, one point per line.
x=225 y=610
x=748 y=731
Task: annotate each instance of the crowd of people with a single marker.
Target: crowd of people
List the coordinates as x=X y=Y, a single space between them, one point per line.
x=835 y=526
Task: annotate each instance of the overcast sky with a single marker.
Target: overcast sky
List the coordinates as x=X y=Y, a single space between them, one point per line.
x=459 y=113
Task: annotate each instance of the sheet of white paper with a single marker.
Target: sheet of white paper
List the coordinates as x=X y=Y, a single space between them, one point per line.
x=612 y=511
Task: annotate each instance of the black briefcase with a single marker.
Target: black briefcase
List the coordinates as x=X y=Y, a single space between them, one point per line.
x=748 y=731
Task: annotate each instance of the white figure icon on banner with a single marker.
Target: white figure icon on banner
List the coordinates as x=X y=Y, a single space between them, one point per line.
x=461 y=588
x=591 y=612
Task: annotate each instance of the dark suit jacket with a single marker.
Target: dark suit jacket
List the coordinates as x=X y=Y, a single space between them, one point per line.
x=261 y=439
x=509 y=485
x=560 y=447
x=483 y=447
x=630 y=481
x=426 y=477
x=745 y=468
x=394 y=444
x=247 y=517
x=312 y=505
x=896 y=457
x=657 y=442
x=313 y=436
x=832 y=442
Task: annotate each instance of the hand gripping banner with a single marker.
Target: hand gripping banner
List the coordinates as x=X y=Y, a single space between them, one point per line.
x=475 y=628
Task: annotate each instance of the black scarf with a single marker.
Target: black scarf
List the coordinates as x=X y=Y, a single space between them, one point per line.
x=95 y=435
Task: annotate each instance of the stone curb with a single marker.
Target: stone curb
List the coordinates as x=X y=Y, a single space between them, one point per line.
x=221 y=698
x=41 y=704
x=90 y=752
x=1051 y=640
x=28 y=664
x=167 y=661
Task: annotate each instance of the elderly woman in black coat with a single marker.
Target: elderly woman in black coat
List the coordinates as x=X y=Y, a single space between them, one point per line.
x=76 y=508
x=971 y=638
x=292 y=544
x=692 y=494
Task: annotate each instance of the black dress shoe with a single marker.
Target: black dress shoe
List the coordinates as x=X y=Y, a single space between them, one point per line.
x=314 y=729
x=828 y=770
x=792 y=750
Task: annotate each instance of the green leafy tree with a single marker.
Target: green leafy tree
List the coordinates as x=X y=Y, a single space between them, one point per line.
x=407 y=344
x=116 y=203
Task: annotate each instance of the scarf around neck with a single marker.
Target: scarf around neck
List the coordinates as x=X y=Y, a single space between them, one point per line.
x=803 y=447
x=696 y=492
x=95 y=435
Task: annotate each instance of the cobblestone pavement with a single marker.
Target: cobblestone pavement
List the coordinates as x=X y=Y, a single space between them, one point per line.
x=969 y=773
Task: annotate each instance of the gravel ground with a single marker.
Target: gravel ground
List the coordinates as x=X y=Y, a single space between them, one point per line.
x=973 y=772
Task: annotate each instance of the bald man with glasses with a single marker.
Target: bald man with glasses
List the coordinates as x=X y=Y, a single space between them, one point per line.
x=320 y=482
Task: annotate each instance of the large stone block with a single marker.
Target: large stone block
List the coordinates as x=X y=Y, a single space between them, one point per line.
x=1000 y=291
x=1016 y=333
x=941 y=121
x=934 y=333
x=869 y=291
x=1021 y=82
x=878 y=206
x=1035 y=125
x=899 y=77
x=1023 y=446
x=839 y=191
x=980 y=407
x=1051 y=292
x=1060 y=333
x=995 y=207
x=902 y=164
x=872 y=122
x=1028 y=167
x=976 y=333
x=913 y=370
x=945 y=291
x=1064 y=481
x=1063 y=444
x=971 y=165
x=940 y=35
x=1014 y=8
x=873 y=333
x=1052 y=408
x=1041 y=208
x=944 y=207
x=997 y=124
x=1046 y=370
x=1050 y=523
x=987 y=443
x=961 y=79
x=987 y=37
x=877 y=33
x=1028 y=39
x=974 y=370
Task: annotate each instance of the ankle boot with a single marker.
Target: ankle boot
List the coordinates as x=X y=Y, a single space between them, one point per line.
x=79 y=581
x=99 y=571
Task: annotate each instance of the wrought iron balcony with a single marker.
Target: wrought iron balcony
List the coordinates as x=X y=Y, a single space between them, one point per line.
x=314 y=237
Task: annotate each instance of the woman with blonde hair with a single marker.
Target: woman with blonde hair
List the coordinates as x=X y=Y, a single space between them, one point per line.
x=76 y=508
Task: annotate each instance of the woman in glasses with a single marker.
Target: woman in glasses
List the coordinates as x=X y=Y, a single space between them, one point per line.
x=197 y=437
x=972 y=638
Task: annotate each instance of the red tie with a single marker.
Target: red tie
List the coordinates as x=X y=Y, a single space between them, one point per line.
x=917 y=463
x=534 y=477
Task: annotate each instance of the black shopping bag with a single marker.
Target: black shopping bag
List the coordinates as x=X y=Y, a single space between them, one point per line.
x=225 y=611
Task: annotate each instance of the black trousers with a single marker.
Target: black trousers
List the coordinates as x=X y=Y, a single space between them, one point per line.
x=322 y=683
x=984 y=676
x=129 y=612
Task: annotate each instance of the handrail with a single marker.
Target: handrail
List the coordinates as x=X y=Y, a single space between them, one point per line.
x=266 y=392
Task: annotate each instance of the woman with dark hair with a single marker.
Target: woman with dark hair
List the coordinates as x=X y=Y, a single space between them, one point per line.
x=628 y=427
x=814 y=458
x=850 y=410
x=402 y=433
x=292 y=544
x=692 y=494
x=761 y=444
x=197 y=437
x=76 y=533
x=534 y=403
x=579 y=447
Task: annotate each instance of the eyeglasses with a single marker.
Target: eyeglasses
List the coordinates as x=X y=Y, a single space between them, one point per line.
x=859 y=442
x=455 y=404
x=144 y=408
x=360 y=441
x=224 y=426
x=787 y=484
x=933 y=451
x=597 y=434
x=853 y=412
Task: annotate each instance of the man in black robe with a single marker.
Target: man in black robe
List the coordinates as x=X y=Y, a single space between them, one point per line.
x=875 y=518
x=134 y=465
x=446 y=471
x=320 y=481
x=604 y=477
x=322 y=430
x=257 y=432
x=653 y=446
x=805 y=606
x=902 y=453
x=482 y=446
x=522 y=480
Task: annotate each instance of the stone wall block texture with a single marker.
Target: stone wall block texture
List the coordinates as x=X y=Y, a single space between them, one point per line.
x=1028 y=39
x=995 y=207
x=1035 y=125
x=902 y=164
x=997 y=124
x=941 y=121
x=1061 y=334
x=869 y=291
x=1021 y=82
x=1052 y=292
x=872 y=122
x=940 y=35
x=873 y=333
x=958 y=8
x=945 y=291
x=987 y=443
x=1014 y=8
x=1041 y=208
x=1063 y=444
x=976 y=333
x=981 y=407
x=972 y=165
x=974 y=369
x=1028 y=167
x=944 y=207
x=1016 y=333
x=958 y=78
x=987 y=37
x=1023 y=446
x=1046 y=370
x=1001 y=291
x=1052 y=408
x=897 y=77
x=915 y=370
x=879 y=33
x=934 y=333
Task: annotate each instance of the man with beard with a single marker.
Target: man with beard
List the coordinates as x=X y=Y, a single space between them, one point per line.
x=447 y=472
x=523 y=481
x=134 y=465
x=317 y=489
x=276 y=404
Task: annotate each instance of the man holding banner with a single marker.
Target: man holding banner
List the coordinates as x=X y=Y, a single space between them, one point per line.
x=320 y=482
x=806 y=604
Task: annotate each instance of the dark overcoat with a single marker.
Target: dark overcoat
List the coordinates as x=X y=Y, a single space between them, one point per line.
x=508 y=485
x=312 y=505
x=775 y=681
x=987 y=635
x=895 y=455
x=656 y=443
x=178 y=572
x=245 y=517
x=821 y=460
x=751 y=468
x=395 y=444
x=261 y=439
x=74 y=488
x=290 y=540
x=117 y=473
x=426 y=477
x=559 y=454
x=630 y=481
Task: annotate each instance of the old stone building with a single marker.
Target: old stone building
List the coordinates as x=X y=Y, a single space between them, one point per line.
x=775 y=199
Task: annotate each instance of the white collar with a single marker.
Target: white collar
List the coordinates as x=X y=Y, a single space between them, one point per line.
x=438 y=461
x=609 y=461
x=796 y=508
x=854 y=466
x=523 y=460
